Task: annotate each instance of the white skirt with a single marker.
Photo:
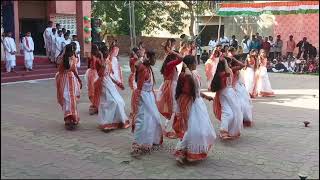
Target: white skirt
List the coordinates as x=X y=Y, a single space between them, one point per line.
x=245 y=100
x=231 y=114
x=264 y=86
x=200 y=135
x=249 y=79
x=148 y=129
x=116 y=69
x=111 y=112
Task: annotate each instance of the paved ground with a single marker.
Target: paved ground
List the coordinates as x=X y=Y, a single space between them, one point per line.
x=36 y=145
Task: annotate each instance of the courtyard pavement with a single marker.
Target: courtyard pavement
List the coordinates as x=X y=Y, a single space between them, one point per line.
x=34 y=143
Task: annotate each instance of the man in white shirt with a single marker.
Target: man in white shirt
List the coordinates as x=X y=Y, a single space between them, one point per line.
x=75 y=40
x=272 y=49
x=28 y=48
x=245 y=46
x=47 y=38
x=66 y=40
x=10 y=50
x=212 y=44
x=58 y=45
x=224 y=40
x=58 y=27
x=53 y=42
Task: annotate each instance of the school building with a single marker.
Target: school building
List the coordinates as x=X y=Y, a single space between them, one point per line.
x=23 y=16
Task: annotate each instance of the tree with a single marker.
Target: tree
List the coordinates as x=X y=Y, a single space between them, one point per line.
x=196 y=7
x=149 y=15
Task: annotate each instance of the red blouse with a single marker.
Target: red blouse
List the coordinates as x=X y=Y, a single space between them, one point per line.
x=132 y=62
x=170 y=68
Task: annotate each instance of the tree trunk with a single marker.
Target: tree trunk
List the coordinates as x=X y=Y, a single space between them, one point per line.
x=190 y=9
x=192 y=18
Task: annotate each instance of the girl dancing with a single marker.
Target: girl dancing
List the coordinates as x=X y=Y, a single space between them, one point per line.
x=91 y=76
x=226 y=107
x=264 y=86
x=146 y=125
x=194 y=126
x=68 y=85
x=111 y=112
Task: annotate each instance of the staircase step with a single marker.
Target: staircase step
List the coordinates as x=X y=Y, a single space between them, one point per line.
x=35 y=71
x=33 y=76
x=36 y=66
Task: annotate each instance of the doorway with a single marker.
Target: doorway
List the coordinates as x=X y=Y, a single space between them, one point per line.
x=36 y=27
x=209 y=32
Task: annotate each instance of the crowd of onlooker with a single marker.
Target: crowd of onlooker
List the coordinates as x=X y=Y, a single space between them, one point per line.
x=306 y=61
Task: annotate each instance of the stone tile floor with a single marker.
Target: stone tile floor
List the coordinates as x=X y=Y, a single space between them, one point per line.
x=36 y=145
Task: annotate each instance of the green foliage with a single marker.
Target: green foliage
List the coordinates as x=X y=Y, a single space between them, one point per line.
x=149 y=15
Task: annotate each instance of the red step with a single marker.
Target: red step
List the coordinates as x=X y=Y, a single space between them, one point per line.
x=37 y=60
x=35 y=71
x=33 y=76
x=42 y=69
x=35 y=67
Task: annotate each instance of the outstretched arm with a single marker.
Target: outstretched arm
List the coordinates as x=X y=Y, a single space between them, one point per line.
x=209 y=98
x=238 y=64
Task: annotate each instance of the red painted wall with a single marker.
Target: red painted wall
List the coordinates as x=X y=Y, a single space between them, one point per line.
x=299 y=26
x=66 y=7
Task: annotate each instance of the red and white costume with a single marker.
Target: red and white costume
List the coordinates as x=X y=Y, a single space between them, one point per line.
x=146 y=124
x=111 y=106
x=193 y=125
x=68 y=90
x=263 y=84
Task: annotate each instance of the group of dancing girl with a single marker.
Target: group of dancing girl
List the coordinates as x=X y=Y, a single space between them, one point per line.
x=175 y=110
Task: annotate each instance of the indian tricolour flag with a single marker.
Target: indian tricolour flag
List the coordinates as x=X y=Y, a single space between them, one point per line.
x=275 y=8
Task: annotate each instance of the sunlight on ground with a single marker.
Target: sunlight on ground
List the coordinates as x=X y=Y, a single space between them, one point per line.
x=300 y=98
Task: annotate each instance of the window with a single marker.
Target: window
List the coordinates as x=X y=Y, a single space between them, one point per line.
x=68 y=22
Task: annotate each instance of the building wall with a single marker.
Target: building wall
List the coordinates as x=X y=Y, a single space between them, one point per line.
x=299 y=26
x=65 y=7
x=32 y=9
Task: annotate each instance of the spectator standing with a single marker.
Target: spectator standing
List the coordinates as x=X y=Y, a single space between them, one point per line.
x=266 y=46
x=255 y=44
x=21 y=36
x=212 y=43
x=234 y=42
x=58 y=27
x=10 y=51
x=303 y=48
x=224 y=40
x=28 y=48
x=245 y=47
x=47 y=38
x=64 y=31
x=53 y=46
x=312 y=51
x=272 y=48
x=290 y=46
x=66 y=40
x=58 y=44
x=75 y=40
x=260 y=40
x=278 y=46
